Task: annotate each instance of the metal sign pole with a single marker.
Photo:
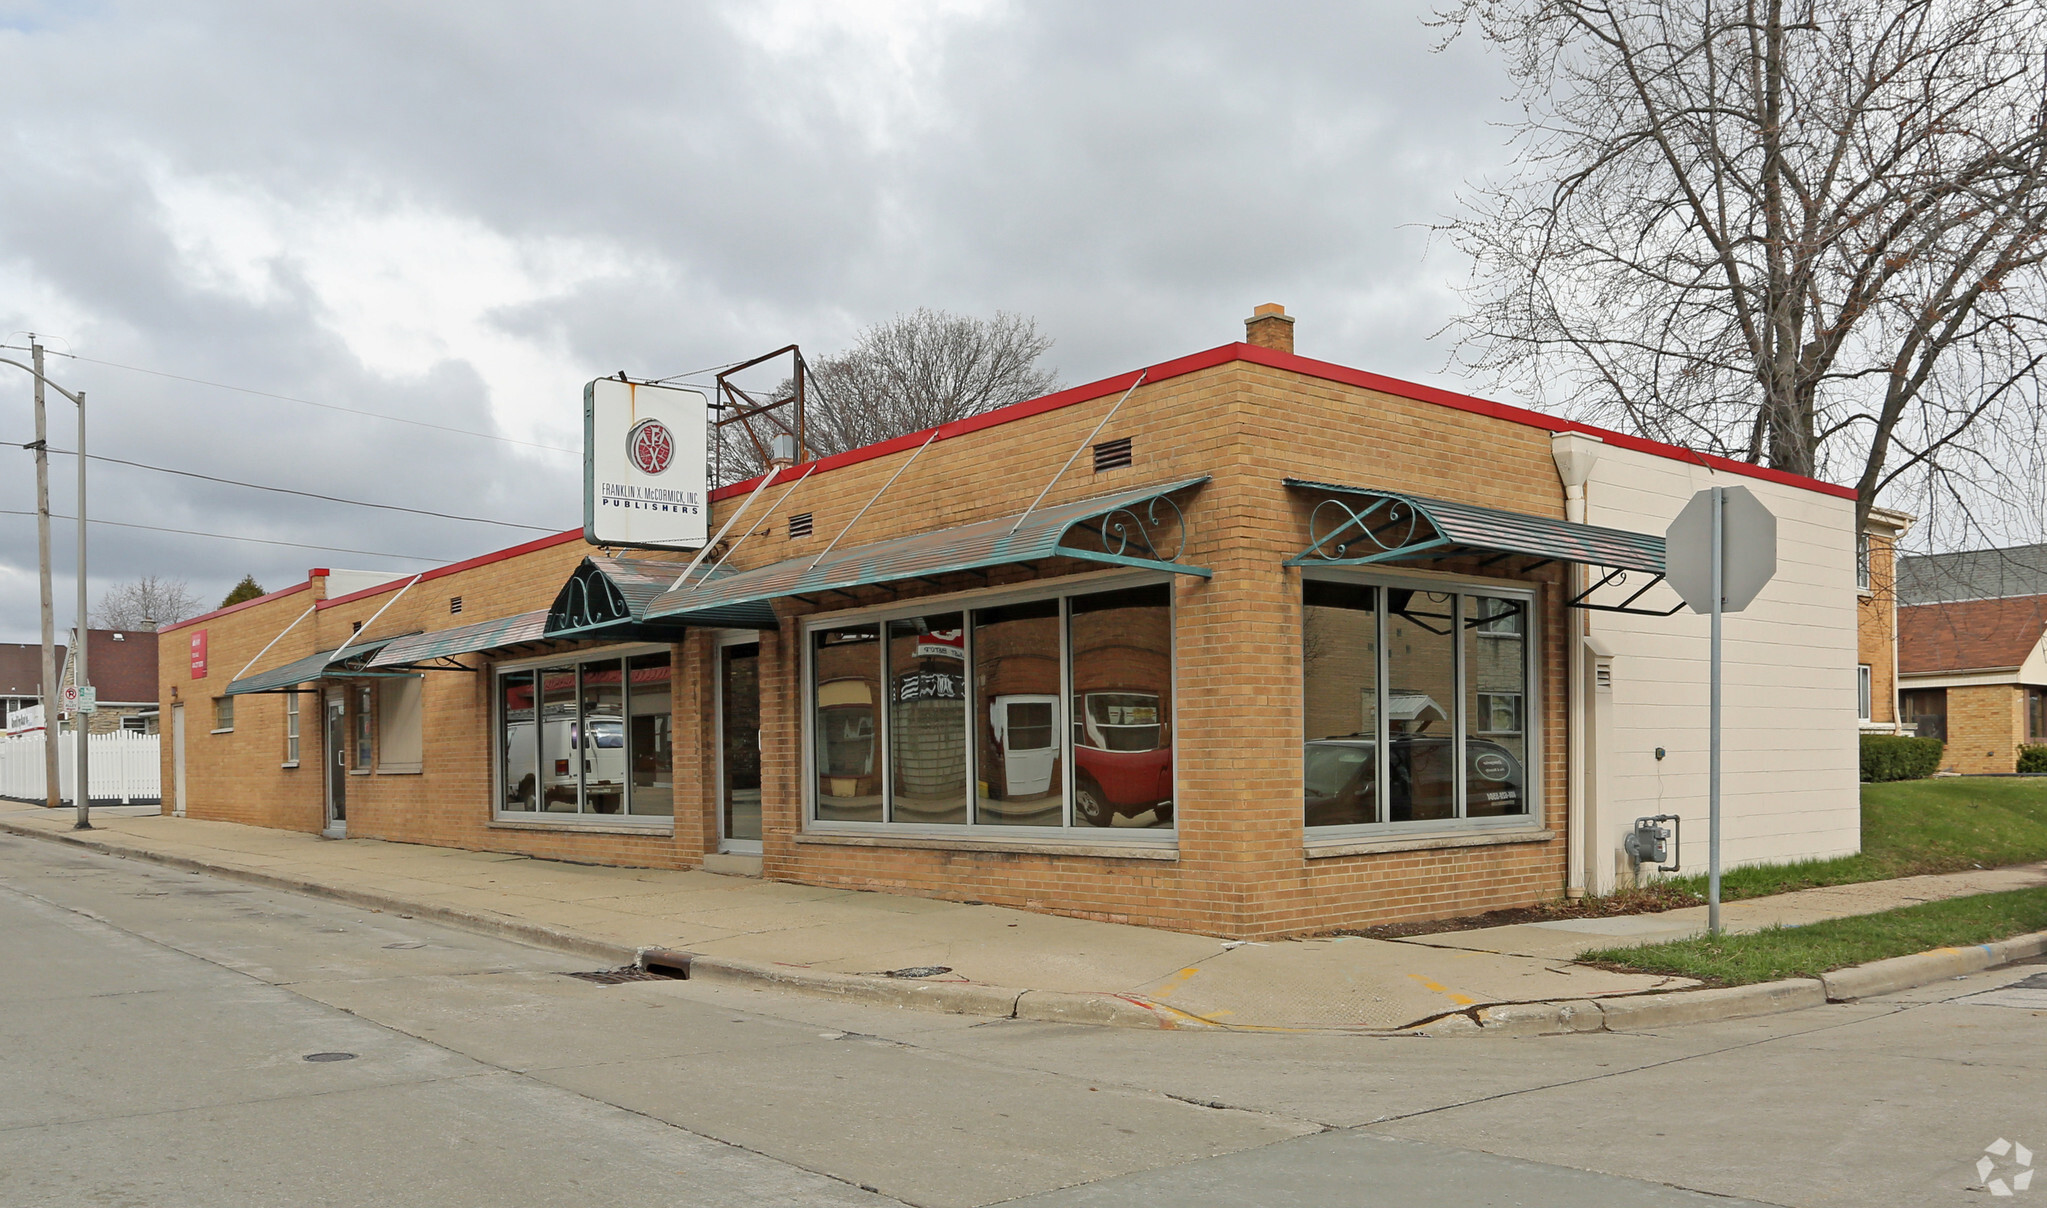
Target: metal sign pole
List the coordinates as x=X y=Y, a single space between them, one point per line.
x=81 y=674
x=1713 y=722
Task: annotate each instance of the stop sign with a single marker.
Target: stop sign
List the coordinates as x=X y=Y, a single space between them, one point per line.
x=1748 y=549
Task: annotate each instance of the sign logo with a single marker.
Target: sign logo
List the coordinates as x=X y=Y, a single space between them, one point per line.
x=2021 y=1174
x=1492 y=765
x=650 y=446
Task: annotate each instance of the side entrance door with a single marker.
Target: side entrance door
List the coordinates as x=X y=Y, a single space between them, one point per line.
x=178 y=758
x=335 y=743
x=739 y=746
x=1027 y=731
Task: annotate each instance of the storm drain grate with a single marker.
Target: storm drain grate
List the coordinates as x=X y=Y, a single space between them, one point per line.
x=613 y=977
x=919 y=971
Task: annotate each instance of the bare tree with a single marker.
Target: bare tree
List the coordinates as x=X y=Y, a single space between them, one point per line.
x=912 y=372
x=1804 y=234
x=152 y=598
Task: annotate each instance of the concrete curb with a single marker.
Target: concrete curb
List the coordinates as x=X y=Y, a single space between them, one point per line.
x=1620 y=1013
x=496 y=926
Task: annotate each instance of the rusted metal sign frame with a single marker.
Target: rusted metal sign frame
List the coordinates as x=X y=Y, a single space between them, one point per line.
x=738 y=406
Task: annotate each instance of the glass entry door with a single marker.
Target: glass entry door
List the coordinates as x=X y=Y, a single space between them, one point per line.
x=739 y=746
x=336 y=742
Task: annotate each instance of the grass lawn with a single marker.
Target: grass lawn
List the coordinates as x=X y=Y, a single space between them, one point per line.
x=1911 y=827
x=1816 y=948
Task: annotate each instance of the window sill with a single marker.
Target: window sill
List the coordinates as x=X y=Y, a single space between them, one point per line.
x=229 y=730
x=654 y=827
x=358 y=771
x=291 y=766
x=1322 y=849
x=1034 y=847
x=401 y=769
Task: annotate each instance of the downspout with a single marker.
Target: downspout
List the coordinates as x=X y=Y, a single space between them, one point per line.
x=1575 y=454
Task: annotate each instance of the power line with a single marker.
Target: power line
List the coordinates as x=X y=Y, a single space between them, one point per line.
x=306 y=402
x=257 y=486
x=330 y=549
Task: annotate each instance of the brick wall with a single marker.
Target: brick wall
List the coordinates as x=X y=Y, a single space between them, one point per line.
x=1985 y=726
x=1876 y=629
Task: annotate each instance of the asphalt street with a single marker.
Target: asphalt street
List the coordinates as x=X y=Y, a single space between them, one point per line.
x=156 y=1025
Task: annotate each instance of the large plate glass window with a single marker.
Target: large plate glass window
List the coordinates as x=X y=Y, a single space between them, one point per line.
x=1340 y=710
x=1044 y=713
x=590 y=737
x=1018 y=752
x=1122 y=666
x=846 y=694
x=1424 y=691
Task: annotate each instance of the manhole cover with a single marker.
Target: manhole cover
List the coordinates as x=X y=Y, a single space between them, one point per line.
x=613 y=977
x=919 y=971
x=330 y=1057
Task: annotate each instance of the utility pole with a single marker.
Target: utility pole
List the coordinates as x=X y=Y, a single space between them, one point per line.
x=80 y=679
x=52 y=769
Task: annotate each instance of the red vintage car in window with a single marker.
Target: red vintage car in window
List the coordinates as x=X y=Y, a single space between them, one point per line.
x=1122 y=756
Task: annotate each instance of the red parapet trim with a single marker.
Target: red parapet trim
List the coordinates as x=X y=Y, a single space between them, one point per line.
x=502 y=555
x=1070 y=397
x=1534 y=419
x=1341 y=374
x=221 y=612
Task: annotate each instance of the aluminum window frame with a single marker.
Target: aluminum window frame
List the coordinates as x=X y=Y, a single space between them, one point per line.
x=625 y=819
x=1061 y=589
x=1534 y=689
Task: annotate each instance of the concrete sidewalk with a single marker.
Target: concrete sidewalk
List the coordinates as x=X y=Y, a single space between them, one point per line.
x=997 y=961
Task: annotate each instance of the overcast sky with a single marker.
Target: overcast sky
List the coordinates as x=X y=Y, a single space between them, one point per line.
x=458 y=213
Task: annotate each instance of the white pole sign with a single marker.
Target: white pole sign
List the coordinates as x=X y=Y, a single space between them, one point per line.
x=1718 y=554
x=645 y=477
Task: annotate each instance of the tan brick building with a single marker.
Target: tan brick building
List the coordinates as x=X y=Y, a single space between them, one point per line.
x=1285 y=646
x=1876 y=621
x=1974 y=672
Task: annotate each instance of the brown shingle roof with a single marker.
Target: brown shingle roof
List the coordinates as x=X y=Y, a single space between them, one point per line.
x=1972 y=635
x=122 y=671
x=21 y=668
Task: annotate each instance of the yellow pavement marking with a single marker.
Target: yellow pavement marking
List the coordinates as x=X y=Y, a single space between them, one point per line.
x=1462 y=1000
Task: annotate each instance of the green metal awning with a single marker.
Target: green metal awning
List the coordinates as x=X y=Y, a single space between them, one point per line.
x=351 y=664
x=608 y=598
x=1362 y=526
x=434 y=651
x=1129 y=528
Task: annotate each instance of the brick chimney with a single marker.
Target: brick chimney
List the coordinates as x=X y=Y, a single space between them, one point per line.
x=1270 y=327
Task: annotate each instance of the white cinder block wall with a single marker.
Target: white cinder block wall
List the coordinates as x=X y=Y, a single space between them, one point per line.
x=1789 y=763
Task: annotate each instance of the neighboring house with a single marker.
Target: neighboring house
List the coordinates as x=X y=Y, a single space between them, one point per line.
x=121 y=665
x=1971 y=660
x=1876 y=621
x=1291 y=647
x=21 y=677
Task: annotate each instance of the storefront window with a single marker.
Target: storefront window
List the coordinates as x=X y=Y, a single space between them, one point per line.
x=1017 y=744
x=1496 y=686
x=1438 y=711
x=599 y=743
x=927 y=720
x=518 y=744
x=846 y=665
x=365 y=717
x=650 y=737
x=1056 y=712
x=1340 y=708
x=1122 y=652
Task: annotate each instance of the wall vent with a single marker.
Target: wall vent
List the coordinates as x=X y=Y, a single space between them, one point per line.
x=1112 y=454
x=799 y=525
x=454 y=604
x=1603 y=675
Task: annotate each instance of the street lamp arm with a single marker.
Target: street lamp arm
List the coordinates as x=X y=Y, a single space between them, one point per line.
x=45 y=381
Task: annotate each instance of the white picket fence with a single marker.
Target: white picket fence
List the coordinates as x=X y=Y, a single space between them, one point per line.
x=125 y=767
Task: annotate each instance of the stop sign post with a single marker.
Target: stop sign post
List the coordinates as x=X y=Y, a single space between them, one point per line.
x=1717 y=555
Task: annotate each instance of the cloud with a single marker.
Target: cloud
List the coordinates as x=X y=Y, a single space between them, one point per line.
x=458 y=213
